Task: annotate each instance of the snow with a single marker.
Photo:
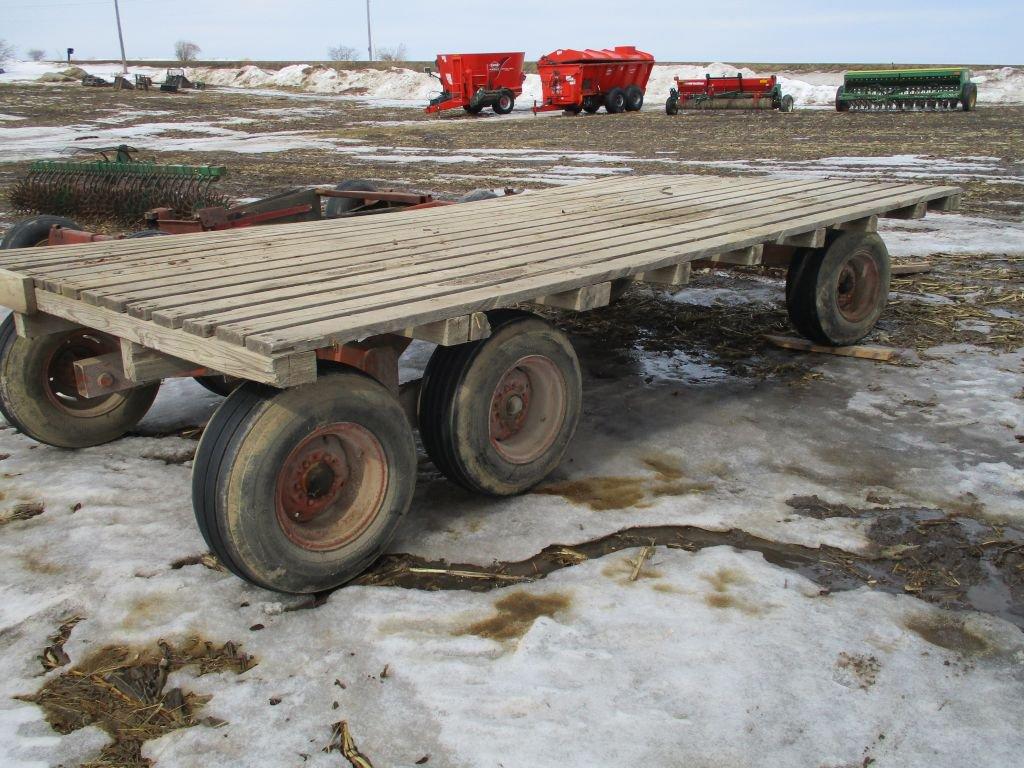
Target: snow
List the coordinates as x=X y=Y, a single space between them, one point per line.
x=403 y=87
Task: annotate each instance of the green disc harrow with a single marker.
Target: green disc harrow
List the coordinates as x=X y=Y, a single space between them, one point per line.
x=907 y=89
x=116 y=187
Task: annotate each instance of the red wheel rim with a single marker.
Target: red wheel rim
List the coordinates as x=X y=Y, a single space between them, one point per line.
x=59 y=383
x=331 y=487
x=858 y=287
x=527 y=409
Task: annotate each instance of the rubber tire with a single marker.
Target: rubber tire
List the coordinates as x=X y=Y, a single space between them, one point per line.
x=219 y=384
x=573 y=109
x=339 y=206
x=615 y=101
x=841 y=106
x=591 y=104
x=969 y=97
x=477 y=194
x=786 y=104
x=672 y=106
x=508 y=97
x=471 y=110
x=146 y=233
x=634 y=98
x=454 y=407
x=32 y=231
x=810 y=290
x=26 y=408
x=235 y=473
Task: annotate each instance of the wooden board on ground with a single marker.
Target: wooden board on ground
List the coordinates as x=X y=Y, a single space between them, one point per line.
x=256 y=302
x=863 y=351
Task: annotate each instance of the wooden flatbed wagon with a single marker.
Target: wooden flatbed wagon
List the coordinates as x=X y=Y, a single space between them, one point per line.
x=305 y=471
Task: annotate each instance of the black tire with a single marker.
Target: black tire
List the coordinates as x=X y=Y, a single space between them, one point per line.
x=477 y=194
x=615 y=101
x=34 y=231
x=591 y=104
x=505 y=103
x=634 y=98
x=786 y=104
x=573 y=109
x=619 y=288
x=37 y=395
x=458 y=405
x=471 y=109
x=339 y=206
x=146 y=233
x=219 y=384
x=841 y=106
x=969 y=97
x=243 y=471
x=672 y=106
x=835 y=295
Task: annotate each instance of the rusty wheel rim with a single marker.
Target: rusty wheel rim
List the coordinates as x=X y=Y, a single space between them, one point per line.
x=858 y=287
x=59 y=382
x=331 y=487
x=527 y=409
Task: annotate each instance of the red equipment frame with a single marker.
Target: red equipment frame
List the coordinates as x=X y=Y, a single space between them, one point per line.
x=477 y=80
x=575 y=80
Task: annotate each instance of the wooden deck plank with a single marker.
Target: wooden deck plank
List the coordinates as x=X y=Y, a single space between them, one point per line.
x=499 y=264
x=296 y=330
x=396 y=241
x=298 y=279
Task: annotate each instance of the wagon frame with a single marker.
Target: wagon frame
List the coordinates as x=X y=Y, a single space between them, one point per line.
x=316 y=316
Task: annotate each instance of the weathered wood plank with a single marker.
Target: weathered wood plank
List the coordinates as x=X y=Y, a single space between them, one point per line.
x=867 y=224
x=813 y=239
x=452 y=331
x=863 y=351
x=38 y=325
x=142 y=364
x=17 y=292
x=669 y=277
x=281 y=371
x=578 y=299
x=915 y=211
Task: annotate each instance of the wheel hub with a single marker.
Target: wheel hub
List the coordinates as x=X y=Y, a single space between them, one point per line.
x=331 y=486
x=858 y=287
x=60 y=385
x=527 y=409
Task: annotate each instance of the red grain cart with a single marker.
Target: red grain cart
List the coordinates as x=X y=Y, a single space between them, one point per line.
x=728 y=93
x=477 y=80
x=615 y=79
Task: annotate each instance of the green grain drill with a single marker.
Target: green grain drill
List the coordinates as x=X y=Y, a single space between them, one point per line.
x=907 y=89
x=115 y=187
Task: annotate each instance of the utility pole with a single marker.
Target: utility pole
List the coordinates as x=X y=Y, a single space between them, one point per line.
x=369 y=34
x=120 y=37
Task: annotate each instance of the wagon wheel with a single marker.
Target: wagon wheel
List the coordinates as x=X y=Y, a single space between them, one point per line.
x=835 y=295
x=969 y=97
x=34 y=231
x=471 y=109
x=841 y=106
x=786 y=105
x=337 y=207
x=497 y=415
x=591 y=104
x=615 y=101
x=300 y=490
x=672 y=106
x=634 y=98
x=505 y=103
x=39 y=397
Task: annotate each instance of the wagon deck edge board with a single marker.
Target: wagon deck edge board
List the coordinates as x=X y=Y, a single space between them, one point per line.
x=284 y=354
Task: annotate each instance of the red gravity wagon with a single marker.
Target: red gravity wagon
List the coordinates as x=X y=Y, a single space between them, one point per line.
x=613 y=78
x=477 y=80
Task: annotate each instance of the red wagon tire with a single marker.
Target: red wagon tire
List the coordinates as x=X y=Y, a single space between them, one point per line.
x=34 y=231
x=301 y=490
x=835 y=295
x=505 y=103
x=615 y=101
x=634 y=98
x=38 y=396
x=496 y=416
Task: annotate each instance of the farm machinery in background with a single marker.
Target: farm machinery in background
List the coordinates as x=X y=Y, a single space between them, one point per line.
x=584 y=81
x=116 y=187
x=907 y=89
x=728 y=93
x=477 y=80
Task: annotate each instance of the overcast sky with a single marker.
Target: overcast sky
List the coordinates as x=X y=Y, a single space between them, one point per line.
x=778 y=31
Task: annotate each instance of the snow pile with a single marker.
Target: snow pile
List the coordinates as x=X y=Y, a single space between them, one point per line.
x=392 y=83
x=1000 y=86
